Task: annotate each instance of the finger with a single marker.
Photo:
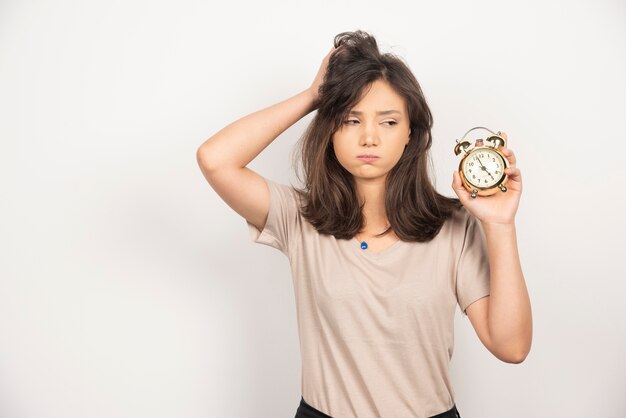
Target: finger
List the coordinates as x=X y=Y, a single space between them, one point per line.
x=334 y=49
x=514 y=174
x=510 y=156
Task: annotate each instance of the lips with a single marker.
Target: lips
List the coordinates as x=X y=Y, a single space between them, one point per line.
x=367 y=158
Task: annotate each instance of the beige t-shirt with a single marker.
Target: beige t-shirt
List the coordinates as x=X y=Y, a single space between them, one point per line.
x=377 y=329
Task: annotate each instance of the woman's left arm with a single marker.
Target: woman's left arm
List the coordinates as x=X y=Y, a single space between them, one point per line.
x=509 y=318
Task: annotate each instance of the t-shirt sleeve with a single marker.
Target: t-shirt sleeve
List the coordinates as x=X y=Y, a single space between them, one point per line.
x=473 y=272
x=282 y=219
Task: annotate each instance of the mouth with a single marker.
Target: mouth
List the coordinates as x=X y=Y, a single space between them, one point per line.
x=367 y=158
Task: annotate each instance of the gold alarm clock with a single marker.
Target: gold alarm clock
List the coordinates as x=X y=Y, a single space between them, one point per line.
x=482 y=165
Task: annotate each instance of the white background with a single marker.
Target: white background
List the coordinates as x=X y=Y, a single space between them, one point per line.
x=128 y=288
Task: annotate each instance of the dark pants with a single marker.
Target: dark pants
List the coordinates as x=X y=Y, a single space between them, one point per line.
x=307 y=411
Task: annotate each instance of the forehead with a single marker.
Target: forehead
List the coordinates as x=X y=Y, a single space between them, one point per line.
x=379 y=98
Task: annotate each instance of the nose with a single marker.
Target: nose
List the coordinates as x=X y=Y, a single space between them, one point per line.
x=369 y=134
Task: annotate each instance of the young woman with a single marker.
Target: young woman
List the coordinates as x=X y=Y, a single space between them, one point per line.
x=379 y=259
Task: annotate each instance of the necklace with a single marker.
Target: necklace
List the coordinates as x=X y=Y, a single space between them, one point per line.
x=364 y=244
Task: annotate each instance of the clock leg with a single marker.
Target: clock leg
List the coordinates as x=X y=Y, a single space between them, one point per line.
x=503 y=188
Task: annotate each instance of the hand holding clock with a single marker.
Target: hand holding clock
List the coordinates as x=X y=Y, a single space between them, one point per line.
x=498 y=208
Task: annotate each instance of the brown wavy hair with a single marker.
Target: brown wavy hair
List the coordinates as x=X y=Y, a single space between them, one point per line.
x=416 y=211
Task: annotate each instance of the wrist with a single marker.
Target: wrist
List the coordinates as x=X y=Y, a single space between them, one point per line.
x=498 y=225
x=313 y=94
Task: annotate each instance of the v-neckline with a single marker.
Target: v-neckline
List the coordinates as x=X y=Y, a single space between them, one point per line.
x=374 y=255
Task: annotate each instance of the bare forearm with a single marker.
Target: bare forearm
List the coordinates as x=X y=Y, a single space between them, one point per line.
x=241 y=141
x=510 y=319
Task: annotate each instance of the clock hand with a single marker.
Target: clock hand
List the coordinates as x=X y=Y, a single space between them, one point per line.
x=484 y=168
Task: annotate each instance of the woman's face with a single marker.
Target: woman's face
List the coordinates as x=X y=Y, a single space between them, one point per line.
x=368 y=131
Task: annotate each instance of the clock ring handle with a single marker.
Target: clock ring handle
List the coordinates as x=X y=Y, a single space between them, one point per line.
x=478 y=127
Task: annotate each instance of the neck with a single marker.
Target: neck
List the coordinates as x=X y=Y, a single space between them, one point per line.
x=372 y=195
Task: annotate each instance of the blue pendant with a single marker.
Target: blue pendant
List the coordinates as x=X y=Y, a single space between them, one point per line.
x=364 y=245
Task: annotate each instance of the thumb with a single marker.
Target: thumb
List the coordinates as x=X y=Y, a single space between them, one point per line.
x=459 y=189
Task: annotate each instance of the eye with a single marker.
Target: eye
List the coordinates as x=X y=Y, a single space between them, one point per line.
x=347 y=122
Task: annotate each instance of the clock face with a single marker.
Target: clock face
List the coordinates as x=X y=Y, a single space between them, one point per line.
x=483 y=168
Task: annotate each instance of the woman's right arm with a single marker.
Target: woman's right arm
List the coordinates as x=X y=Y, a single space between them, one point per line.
x=223 y=157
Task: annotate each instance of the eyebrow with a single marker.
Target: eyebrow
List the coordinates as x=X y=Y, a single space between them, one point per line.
x=380 y=112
